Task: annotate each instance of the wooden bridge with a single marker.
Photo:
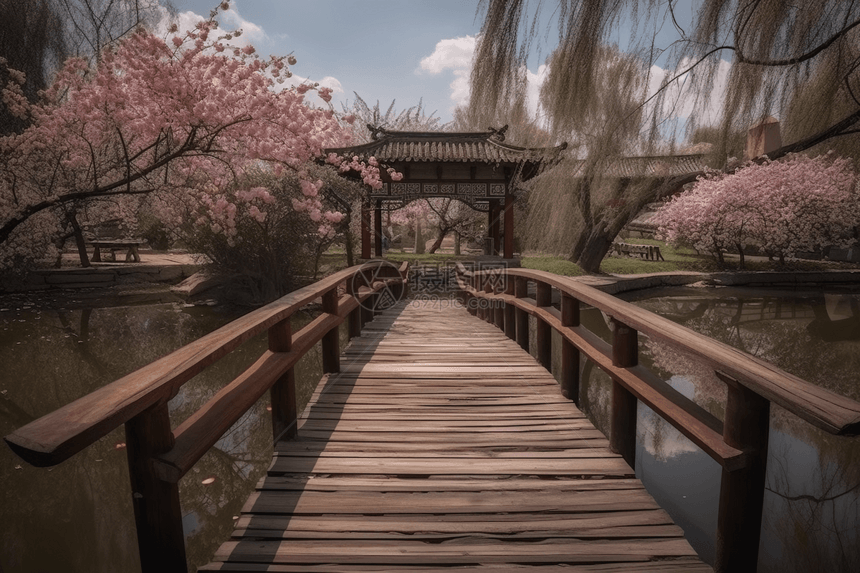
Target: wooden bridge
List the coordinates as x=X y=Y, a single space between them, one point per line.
x=435 y=440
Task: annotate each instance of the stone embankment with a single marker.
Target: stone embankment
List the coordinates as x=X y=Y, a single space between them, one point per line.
x=155 y=268
x=615 y=284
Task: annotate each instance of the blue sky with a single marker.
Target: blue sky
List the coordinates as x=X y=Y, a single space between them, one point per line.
x=372 y=47
x=405 y=50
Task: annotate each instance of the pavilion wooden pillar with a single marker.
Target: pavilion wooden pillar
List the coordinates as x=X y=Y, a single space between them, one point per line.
x=377 y=228
x=509 y=226
x=494 y=226
x=365 y=230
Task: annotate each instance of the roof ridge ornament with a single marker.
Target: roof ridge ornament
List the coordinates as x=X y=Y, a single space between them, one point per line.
x=375 y=131
x=498 y=134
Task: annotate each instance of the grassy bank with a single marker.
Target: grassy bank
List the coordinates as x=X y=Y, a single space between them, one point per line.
x=676 y=259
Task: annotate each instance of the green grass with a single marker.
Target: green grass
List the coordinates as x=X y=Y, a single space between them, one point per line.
x=552 y=264
x=677 y=259
x=425 y=258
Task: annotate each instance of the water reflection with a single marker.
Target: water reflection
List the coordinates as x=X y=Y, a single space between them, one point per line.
x=812 y=503
x=78 y=515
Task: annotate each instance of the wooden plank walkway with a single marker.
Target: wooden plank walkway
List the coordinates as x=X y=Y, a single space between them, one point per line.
x=441 y=443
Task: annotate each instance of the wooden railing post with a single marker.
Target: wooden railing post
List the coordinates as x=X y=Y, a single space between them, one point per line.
x=157 y=513
x=331 y=339
x=625 y=351
x=521 y=290
x=471 y=300
x=498 y=308
x=569 y=352
x=354 y=318
x=510 y=310
x=544 y=330
x=282 y=394
x=746 y=428
x=367 y=304
x=487 y=285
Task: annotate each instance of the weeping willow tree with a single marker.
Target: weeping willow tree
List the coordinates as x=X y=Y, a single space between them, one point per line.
x=725 y=68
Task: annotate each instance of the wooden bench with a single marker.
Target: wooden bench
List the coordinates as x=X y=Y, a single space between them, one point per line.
x=647 y=252
x=113 y=245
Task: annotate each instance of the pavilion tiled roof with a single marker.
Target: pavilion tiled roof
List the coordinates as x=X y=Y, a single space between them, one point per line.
x=489 y=147
x=475 y=147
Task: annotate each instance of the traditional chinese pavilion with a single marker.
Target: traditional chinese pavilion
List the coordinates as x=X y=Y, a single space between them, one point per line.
x=478 y=168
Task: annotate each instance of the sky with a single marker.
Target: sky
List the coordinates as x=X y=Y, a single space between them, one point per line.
x=402 y=50
x=384 y=50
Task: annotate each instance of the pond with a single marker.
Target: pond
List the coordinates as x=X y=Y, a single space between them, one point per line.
x=78 y=515
x=812 y=500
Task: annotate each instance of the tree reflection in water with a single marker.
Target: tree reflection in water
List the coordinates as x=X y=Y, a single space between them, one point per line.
x=78 y=515
x=812 y=503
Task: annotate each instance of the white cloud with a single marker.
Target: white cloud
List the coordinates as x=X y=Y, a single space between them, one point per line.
x=682 y=97
x=229 y=21
x=457 y=55
x=311 y=96
x=454 y=54
x=535 y=81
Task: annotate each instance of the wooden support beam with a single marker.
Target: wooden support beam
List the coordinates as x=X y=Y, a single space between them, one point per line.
x=365 y=231
x=282 y=394
x=157 y=513
x=625 y=352
x=354 y=318
x=746 y=427
x=331 y=340
x=377 y=229
x=569 y=352
x=510 y=310
x=544 y=331
x=489 y=309
x=521 y=290
x=509 y=226
x=499 y=314
x=495 y=226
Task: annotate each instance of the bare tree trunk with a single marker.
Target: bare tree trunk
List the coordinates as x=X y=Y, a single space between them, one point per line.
x=598 y=240
x=79 y=237
x=584 y=199
x=438 y=242
x=596 y=247
x=419 y=239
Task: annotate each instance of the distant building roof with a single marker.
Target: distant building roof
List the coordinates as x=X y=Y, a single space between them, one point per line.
x=647 y=166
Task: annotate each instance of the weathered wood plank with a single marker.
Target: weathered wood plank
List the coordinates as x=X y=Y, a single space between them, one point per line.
x=436 y=448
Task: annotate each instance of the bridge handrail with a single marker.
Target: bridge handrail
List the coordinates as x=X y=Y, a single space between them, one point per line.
x=158 y=455
x=819 y=406
x=739 y=442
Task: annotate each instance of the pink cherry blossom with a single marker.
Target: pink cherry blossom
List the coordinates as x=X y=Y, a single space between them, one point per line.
x=782 y=207
x=175 y=125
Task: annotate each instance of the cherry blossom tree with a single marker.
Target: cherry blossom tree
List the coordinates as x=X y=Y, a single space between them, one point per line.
x=451 y=216
x=175 y=122
x=414 y=215
x=783 y=207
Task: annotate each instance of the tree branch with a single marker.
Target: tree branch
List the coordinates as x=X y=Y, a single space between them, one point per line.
x=799 y=59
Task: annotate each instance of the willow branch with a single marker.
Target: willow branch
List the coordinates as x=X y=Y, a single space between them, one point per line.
x=799 y=59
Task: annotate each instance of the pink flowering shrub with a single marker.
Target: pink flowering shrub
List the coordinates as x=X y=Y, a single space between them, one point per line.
x=253 y=230
x=782 y=207
x=179 y=123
